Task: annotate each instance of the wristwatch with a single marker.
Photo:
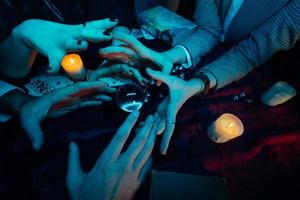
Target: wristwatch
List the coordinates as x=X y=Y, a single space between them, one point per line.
x=204 y=78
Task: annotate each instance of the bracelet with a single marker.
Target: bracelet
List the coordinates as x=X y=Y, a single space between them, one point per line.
x=204 y=78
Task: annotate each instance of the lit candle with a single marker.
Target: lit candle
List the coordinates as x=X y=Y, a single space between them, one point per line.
x=225 y=128
x=73 y=65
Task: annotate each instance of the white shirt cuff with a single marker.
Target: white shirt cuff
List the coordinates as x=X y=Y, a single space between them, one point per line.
x=189 y=62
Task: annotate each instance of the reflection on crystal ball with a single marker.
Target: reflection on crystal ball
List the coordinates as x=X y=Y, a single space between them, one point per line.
x=130 y=97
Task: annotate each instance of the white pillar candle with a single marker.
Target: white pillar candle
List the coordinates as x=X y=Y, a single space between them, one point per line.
x=225 y=128
x=278 y=94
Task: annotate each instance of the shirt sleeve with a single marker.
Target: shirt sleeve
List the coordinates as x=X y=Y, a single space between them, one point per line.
x=5 y=88
x=207 y=34
x=279 y=33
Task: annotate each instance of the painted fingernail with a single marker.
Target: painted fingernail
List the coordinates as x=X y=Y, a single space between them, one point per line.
x=107 y=32
x=79 y=42
x=113 y=20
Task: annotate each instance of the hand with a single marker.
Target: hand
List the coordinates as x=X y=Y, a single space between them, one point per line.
x=179 y=92
x=54 y=40
x=116 y=69
x=135 y=53
x=115 y=175
x=57 y=103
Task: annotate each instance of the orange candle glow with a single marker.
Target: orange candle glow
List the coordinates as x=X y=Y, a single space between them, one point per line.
x=73 y=65
x=225 y=128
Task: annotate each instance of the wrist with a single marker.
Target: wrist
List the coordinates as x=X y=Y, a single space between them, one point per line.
x=198 y=85
x=13 y=101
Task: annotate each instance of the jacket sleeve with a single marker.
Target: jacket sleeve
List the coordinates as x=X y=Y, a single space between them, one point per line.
x=279 y=33
x=207 y=34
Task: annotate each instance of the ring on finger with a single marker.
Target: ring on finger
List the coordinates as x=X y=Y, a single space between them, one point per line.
x=170 y=122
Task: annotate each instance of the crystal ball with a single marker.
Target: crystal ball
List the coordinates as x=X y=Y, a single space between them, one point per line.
x=130 y=97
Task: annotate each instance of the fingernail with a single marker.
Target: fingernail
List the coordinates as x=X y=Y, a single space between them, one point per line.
x=113 y=20
x=72 y=146
x=107 y=32
x=79 y=42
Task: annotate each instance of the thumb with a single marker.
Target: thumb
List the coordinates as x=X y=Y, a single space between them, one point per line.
x=74 y=166
x=55 y=62
x=160 y=76
x=34 y=131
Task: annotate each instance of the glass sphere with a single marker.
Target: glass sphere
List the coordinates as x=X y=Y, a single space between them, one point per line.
x=130 y=97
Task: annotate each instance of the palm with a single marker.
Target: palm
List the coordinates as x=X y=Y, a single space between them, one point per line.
x=54 y=40
x=179 y=92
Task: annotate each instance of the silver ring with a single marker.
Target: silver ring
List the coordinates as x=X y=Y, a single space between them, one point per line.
x=170 y=122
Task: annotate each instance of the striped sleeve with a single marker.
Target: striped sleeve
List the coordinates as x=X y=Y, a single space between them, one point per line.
x=208 y=32
x=279 y=33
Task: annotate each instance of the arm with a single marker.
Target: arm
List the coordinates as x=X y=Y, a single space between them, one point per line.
x=204 y=38
x=15 y=52
x=279 y=33
x=11 y=100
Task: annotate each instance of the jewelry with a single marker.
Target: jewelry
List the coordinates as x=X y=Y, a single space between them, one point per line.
x=170 y=122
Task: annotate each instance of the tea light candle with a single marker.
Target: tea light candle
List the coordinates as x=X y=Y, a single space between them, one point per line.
x=73 y=66
x=225 y=128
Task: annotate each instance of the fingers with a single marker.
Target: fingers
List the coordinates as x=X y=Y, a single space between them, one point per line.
x=78 y=90
x=102 y=72
x=160 y=76
x=74 y=166
x=74 y=172
x=145 y=153
x=170 y=126
x=138 y=76
x=103 y=24
x=132 y=42
x=96 y=31
x=139 y=141
x=33 y=128
x=55 y=59
x=95 y=35
x=116 y=52
x=112 y=152
x=101 y=97
x=67 y=109
x=75 y=45
x=145 y=171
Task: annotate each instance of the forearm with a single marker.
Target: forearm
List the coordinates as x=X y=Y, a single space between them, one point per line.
x=11 y=102
x=208 y=31
x=16 y=57
x=279 y=33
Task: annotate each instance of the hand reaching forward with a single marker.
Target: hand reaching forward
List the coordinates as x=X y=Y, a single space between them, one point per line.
x=54 y=40
x=179 y=92
x=57 y=103
x=115 y=175
x=136 y=53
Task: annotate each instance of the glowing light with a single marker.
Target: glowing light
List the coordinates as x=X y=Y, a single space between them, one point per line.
x=225 y=128
x=73 y=66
